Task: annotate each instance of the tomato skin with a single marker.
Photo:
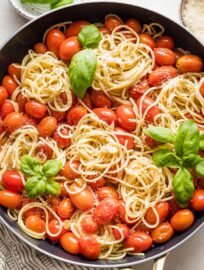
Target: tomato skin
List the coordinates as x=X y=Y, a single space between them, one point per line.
x=12 y=181
x=89 y=225
x=105 y=114
x=97 y=184
x=137 y=90
x=6 y=108
x=150 y=142
x=111 y=22
x=47 y=126
x=125 y=114
x=162 y=233
x=197 y=201
x=54 y=227
x=70 y=243
x=28 y=120
x=60 y=116
x=165 y=42
x=1 y=125
x=14 y=71
x=63 y=191
x=9 y=83
x=3 y=95
x=75 y=28
x=105 y=211
x=143 y=228
x=162 y=209
x=182 y=220
x=68 y=172
x=202 y=90
x=33 y=210
x=174 y=207
x=54 y=40
x=66 y=208
x=122 y=211
x=100 y=100
x=104 y=30
x=21 y=101
x=124 y=139
x=147 y=40
x=75 y=114
x=13 y=121
x=164 y=57
x=161 y=75
x=107 y=193
x=10 y=199
x=35 y=109
x=125 y=230
x=189 y=63
x=35 y=223
x=40 y=48
x=45 y=149
x=62 y=142
x=134 y=24
x=69 y=47
x=140 y=241
x=89 y=247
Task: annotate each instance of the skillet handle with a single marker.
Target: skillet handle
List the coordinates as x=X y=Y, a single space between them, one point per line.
x=159 y=263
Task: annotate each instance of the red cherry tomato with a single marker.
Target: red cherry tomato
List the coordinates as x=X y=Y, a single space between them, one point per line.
x=12 y=181
x=164 y=57
x=147 y=40
x=63 y=191
x=45 y=149
x=162 y=233
x=75 y=28
x=10 y=199
x=9 y=83
x=150 y=142
x=60 y=116
x=143 y=228
x=21 y=101
x=62 y=142
x=104 y=30
x=100 y=100
x=89 y=225
x=111 y=22
x=40 y=48
x=54 y=227
x=70 y=243
x=125 y=139
x=189 y=63
x=134 y=24
x=126 y=117
x=28 y=120
x=161 y=75
x=87 y=100
x=122 y=211
x=6 y=108
x=138 y=89
x=32 y=211
x=1 y=125
x=139 y=241
x=89 y=247
x=105 y=114
x=107 y=193
x=125 y=231
x=165 y=42
x=53 y=202
x=174 y=207
x=69 y=47
x=197 y=201
x=68 y=172
x=182 y=220
x=162 y=209
x=105 y=211
x=54 y=40
x=13 y=121
x=35 y=223
x=3 y=95
x=66 y=208
x=35 y=109
x=47 y=126
x=98 y=184
x=75 y=114
x=14 y=70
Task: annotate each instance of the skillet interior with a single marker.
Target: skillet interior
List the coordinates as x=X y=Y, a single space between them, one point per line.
x=16 y=48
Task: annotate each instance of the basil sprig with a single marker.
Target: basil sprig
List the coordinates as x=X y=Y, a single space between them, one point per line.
x=185 y=155
x=40 y=180
x=53 y=3
x=89 y=36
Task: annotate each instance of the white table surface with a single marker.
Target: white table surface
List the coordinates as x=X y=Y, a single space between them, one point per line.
x=189 y=256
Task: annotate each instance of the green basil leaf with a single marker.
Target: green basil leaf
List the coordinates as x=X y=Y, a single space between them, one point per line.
x=35 y=186
x=81 y=71
x=200 y=169
x=183 y=187
x=30 y=166
x=187 y=139
x=39 y=1
x=51 y=167
x=61 y=3
x=164 y=157
x=160 y=134
x=201 y=142
x=89 y=36
x=191 y=160
x=52 y=188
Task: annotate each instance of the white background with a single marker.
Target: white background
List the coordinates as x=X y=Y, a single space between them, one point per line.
x=189 y=256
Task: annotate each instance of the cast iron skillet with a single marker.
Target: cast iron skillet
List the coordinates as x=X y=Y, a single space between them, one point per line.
x=16 y=48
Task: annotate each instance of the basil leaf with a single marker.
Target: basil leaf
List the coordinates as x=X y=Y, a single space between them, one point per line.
x=201 y=141
x=81 y=71
x=61 y=3
x=160 y=134
x=183 y=187
x=51 y=167
x=200 y=169
x=30 y=166
x=187 y=139
x=164 y=157
x=35 y=186
x=89 y=36
x=191 y=160
x=39 y=1
x=52 y=188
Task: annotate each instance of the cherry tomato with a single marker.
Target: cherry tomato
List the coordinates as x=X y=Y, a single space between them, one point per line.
x=14 y=70
x=122 y=211
x=1 y=125
x=33 y=211
x=105 y=114
x=9 y=83
x=87 y=100
x=45 y=149
x=3 y=95
x=174 y=207
x=75 y=114
x=13 y=121
x=104 y=30
x=54 y=227
x=140 y=241
x=10 y=199
x=62 y=142
x=161 y=75
x=134 y=24
x=89 y=247
x=165 y=42
x=150 y=142
x=105 y=211
x=83 y=200
x=111 y=22
x=35 y=109
x=107 y=192
x=53 y=202
x=60 y=116
x=137 y=90
x=66 y=208
x=125 y=231
x=75 y=28
x=21 y=101
x=182 y=220
x=189 y=63
x=100 y=100
x=12 y=181
x=70 y=243
x=126 y=117
x=98 y=184
x=89 y=225
x=201 y=90
x=28 y=120
x=143 y=228
x=35 y=223
x=69 y=47
x=197 y=201
x=6 y=108
x=162 y=209
x=68 y=172
x=164 y=57
x=54 y=40
x=47 y=126
x=162 y=233
x=63 y=191
x=40 y=48
x=147 y=40
x=125 y=139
